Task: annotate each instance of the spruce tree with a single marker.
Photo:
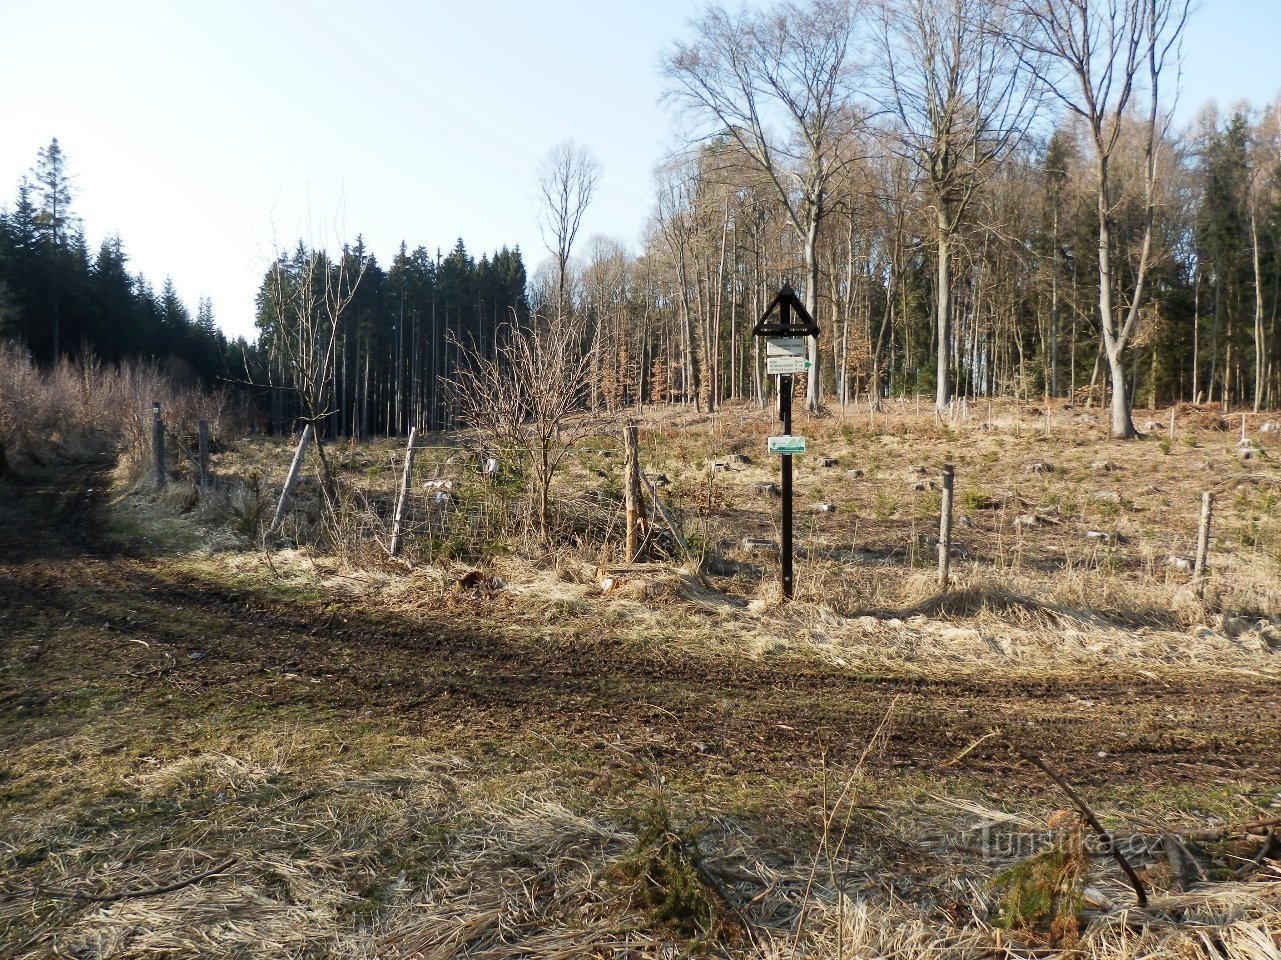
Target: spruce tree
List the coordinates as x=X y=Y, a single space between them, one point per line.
x=54 y=222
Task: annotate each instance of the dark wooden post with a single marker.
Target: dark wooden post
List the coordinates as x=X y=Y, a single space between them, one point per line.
x=158 y=443
x=785 y=401
x=785 y=414
x=631 y=491
x=945 y=526
x=203 y=429
x=786 y=366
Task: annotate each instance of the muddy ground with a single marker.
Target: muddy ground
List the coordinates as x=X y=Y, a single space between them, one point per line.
x=79 y=608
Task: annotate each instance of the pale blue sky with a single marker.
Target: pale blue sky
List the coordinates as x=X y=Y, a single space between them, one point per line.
x=206 y=134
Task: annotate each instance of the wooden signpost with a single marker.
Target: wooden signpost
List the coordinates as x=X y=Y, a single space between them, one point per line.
x=785 y=355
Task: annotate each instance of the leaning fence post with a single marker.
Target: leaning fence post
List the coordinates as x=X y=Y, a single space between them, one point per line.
x=398 y=525
x=631 y=490
x=158 y=443
x=945 y=526
x=1203 y=541
x=203 y=429
x=295 y=468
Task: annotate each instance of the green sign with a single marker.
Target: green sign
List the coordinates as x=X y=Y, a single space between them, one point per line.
x=787 y=445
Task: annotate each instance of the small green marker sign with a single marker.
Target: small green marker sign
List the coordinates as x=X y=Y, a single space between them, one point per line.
x=787 y=445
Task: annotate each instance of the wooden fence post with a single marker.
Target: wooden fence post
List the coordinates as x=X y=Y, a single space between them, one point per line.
x=158 y=443
x=631 y=491
x=398 y=525
x=1203 y=542
x=203 y=430
x=945 y=526
x=291 y=479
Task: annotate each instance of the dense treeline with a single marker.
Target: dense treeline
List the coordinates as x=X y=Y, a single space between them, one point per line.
x=977 y=199
x=359 y=349
x=971 y=204
x=674 y=322
x=978 y=217
x=58 y=298
x=948 y=230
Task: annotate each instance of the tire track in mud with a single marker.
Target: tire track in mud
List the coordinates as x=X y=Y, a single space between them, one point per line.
x=478 y=673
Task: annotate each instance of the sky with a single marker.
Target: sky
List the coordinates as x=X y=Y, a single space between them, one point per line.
x=210 y=135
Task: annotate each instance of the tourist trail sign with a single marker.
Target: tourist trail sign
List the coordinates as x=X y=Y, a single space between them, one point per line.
x=785 y=325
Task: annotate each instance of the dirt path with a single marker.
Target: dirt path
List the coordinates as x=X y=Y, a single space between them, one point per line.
x=75 y=607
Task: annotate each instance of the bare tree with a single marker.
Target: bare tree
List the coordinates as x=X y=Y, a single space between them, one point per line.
x=1102 y=57
x=567 y=181
x=1261 y=195
x=527 y=400
x=780 y=82
x=302 y=306
x=673 y=217
x=954 y=85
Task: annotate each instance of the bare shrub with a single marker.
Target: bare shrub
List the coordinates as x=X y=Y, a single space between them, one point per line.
x=524 y=400
x=78 y=407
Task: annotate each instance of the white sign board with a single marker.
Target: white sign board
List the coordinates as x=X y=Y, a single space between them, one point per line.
x=787 y=445
x=785 y=355
x=785 y=347
x=779 y=365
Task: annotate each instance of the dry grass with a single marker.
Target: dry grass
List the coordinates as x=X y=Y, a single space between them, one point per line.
x=75 y=408
x=407 y=854
x=361 y=839
x=1026 y=599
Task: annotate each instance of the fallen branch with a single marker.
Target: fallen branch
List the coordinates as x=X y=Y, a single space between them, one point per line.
x=1219 y=833
x=1263 y=853
x=970 y=749
x=129 y=894
x=676 y=532
x=1140 y=894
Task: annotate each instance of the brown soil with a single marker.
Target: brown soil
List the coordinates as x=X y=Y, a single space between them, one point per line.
x=76 y=607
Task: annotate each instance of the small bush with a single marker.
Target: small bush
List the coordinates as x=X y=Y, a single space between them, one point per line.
x=664 y=875
x=885 y=506
x=1042 y=896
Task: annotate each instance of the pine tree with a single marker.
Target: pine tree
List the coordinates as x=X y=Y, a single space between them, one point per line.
x=54 y=223
x=115 y=330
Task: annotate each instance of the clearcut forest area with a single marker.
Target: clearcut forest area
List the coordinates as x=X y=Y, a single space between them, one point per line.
x=869 y=551
x=225 y=741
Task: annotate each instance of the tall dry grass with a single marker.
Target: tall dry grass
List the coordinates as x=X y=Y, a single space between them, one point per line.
x=78 y=407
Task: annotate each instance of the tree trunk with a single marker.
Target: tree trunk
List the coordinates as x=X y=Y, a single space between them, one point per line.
x=1259 y=352
x=1113 y=339
x=812 y=383
x=943 y=371
x=1054 y=307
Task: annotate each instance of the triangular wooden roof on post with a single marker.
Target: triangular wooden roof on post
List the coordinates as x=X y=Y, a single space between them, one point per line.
x=790 y=310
